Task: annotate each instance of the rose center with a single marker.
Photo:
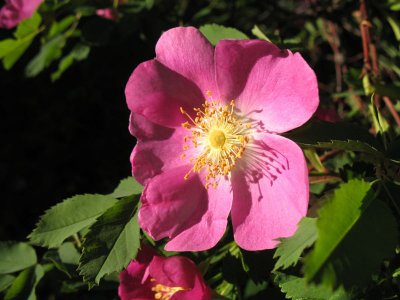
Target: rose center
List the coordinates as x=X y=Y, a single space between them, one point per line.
x=216 y=138
x=220 y=136
x=163 y=292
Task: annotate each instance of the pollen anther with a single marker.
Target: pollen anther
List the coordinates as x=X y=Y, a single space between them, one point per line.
x=163 y=292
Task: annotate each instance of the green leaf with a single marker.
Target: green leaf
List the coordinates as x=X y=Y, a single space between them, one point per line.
x=23 y=287
x=6 y=281
x=297 y=288
x=67 y=218
x=65 y=258
x=17 y=48
x=290 y=249
x=344 y=136
x=350 y=244
x=112 y=242
x=214 y=33
x=50 y=51
x=68 y=254
x=16 y=256
x=257 y=32
x=127 y=187
x=12 y=49
x=53 y=258
x=26 y=27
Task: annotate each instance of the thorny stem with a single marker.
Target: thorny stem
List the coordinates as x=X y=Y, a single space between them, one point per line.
x=365 y=36
x=369 y=51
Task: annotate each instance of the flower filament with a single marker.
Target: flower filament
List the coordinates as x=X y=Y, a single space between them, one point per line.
x=219 y=135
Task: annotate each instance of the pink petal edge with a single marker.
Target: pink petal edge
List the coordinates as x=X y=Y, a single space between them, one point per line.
x=271 y=85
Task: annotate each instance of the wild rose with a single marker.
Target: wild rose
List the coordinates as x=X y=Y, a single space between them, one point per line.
x=168 y=278
x=15 y=11
x=207 y=123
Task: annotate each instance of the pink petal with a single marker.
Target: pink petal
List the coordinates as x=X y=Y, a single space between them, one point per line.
x=173 y=271
x=29 y=7
x=145 y=130
x=159 y=154
x=157 y=93
x=133 y=285
x=275 y=86
x=268 y=205
x=178 y=271
x=183 y=210
x=186 y=51
x=14 y=12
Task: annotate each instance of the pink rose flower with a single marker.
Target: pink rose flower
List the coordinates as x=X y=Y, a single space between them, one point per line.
x=207 y=123
x=168 y=278
x=107 y=13
x=15 y=11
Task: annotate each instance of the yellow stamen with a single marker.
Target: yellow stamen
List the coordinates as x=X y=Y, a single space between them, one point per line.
x=220 y=134
x=164 y=292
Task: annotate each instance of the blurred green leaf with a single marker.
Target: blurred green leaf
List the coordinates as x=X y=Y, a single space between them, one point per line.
x=355 y=233
x=314 y=159
x=6 y=281
x=12 y=49
x=380 y=124
x=390 y=90
x=67 y=218
x=368 y=88
x=257 y=32
x=149 y=3
x=127 y=187
x=344 y=136
x=59 y=27
x=395 y=27
x=50 y=51
x=16 y=256
x=297 y=288
x=23 y=287
x=79 y=52
x=26 y=27
x=112 y=242
x=290 y=249
x=253 y=289
x=214 y=33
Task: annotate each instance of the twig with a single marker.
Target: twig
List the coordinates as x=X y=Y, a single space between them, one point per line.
x=392 y=110
x=365 y=37
x=334 y=41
